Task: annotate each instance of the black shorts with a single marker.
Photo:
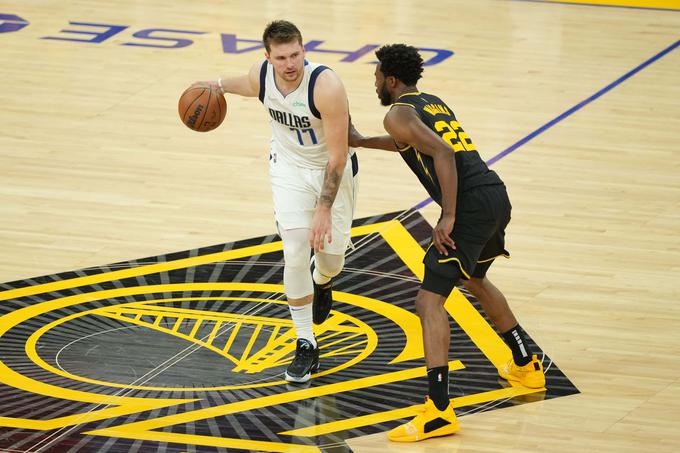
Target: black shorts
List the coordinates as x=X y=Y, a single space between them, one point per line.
x=482 y=214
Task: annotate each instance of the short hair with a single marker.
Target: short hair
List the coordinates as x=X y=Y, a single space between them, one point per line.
x=280 y=31
x=400 y=61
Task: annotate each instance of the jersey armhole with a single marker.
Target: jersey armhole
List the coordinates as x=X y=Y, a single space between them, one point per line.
x=401 y=150
x=263 y=79
x=310 y=92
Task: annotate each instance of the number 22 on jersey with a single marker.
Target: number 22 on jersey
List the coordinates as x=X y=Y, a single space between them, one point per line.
x=455 y=136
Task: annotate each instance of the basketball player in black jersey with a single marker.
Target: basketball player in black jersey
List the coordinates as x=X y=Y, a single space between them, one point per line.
x=467 y=238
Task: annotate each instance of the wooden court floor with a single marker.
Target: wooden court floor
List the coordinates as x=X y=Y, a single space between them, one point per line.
x=575 y=104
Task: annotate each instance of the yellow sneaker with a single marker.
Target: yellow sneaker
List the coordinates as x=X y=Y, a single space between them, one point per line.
x=530 y=375
x=430 y=422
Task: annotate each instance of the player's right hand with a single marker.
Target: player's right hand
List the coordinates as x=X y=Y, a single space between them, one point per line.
x=211 y=83
x=322 y=227
x=441 y=236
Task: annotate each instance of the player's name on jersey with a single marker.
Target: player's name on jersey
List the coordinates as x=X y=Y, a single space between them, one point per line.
x=290 y=120
x=167 y=38
x=436 y=109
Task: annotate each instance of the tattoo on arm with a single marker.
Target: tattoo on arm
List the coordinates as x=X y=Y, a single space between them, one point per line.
x=331 y=182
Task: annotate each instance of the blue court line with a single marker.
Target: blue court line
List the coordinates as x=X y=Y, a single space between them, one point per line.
x=567 y=113
x=597 y=4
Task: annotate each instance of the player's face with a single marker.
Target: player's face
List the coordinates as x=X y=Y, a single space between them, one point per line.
x=381 y=87
x=288 y=60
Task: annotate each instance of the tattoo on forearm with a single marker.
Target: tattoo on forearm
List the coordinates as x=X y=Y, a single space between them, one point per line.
x=331 y=182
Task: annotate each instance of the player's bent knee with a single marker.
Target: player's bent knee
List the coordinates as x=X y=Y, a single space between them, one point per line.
x=474 y=284
x=428 y=301
x=328 y=264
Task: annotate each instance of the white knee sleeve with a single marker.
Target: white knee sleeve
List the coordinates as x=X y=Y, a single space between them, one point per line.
x=327 y=266
x=297 y=279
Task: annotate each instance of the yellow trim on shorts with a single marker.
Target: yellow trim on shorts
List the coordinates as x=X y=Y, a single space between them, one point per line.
x=497 y=256
x=459 y=265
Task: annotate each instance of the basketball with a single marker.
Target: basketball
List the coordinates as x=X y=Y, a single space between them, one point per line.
x=202 y=108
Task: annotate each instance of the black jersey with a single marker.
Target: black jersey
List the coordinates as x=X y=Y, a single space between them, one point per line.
x=472 y=170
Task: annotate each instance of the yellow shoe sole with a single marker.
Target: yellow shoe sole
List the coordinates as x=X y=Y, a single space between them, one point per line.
x=443 y=431
x=536 y=382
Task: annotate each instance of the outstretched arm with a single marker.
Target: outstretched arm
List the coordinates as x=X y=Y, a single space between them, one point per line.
x=356 y=140
x=246 y=85
x=405 y=126
x=330 y=99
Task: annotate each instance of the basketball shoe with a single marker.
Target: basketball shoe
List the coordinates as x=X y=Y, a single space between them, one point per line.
x=323 y=299
x=305 y=363
x=430 y=422
x=530 y=375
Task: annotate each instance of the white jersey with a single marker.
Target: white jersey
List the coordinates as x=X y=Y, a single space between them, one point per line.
x=299 y=156
x=297 y=130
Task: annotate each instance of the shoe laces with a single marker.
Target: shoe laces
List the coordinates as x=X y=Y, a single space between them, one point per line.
x=303 y=351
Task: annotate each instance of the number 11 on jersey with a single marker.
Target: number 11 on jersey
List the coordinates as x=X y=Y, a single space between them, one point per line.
x=312 y=135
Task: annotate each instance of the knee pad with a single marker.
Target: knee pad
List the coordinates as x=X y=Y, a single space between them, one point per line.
x=297 y=279
x=329 y=265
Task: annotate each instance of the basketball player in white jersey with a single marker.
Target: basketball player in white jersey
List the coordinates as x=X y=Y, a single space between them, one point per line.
x=312 y=171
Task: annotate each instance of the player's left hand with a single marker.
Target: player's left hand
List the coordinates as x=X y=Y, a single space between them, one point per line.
x=321 y=226
x=441 y=236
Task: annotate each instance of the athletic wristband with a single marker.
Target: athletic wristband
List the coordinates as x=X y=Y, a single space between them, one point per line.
x=219 y=83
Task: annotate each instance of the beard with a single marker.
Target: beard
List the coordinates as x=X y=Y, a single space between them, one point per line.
x=384 y=96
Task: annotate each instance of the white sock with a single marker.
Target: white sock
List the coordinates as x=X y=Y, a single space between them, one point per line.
x=302 y=320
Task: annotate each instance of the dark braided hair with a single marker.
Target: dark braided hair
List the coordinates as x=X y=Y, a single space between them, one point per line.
x=400 y=61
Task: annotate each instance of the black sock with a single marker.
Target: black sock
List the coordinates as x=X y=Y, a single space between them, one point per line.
x=519 y=346
x=438 y=379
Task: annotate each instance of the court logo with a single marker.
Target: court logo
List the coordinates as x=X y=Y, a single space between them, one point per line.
x=11 y=22
x=248 y=342
x=190 y=349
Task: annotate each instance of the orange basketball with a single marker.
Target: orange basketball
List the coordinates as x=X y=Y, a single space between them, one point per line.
x=202 y=108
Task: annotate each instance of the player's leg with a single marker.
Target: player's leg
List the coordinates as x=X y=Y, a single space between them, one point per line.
x=293 y=208
x=492 y=300
x=475 y=223
x=325 y=266
x=524 y=367
x=297 y=282
x=328 y=262
x=437 y=417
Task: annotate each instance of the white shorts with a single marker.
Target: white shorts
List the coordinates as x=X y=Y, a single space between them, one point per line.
x=296 y=191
